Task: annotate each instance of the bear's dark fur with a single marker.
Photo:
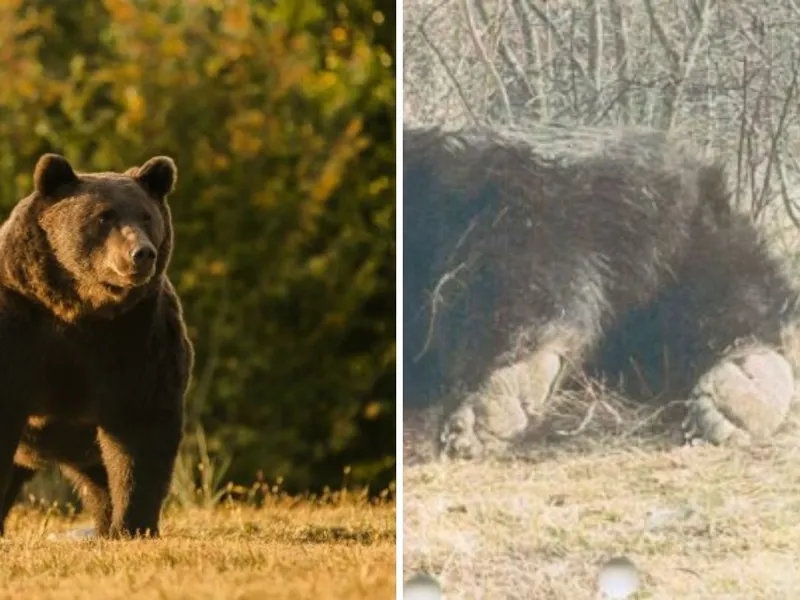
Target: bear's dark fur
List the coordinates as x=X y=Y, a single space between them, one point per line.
x=621 y=247
x=95 y=358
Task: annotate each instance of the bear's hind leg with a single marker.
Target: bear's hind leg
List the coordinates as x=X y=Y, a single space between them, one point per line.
x=743 y=303
x=91 y=483
x=745 y=397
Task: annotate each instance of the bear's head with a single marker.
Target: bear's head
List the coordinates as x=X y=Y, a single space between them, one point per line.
x=105 y=239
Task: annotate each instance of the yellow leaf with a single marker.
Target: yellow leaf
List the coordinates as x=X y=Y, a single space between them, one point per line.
x=300 y=43
x=134 y=104
x=151 y=25
x=26 y=89
x=174 y=48
x=132 y=71
x=218 y=268
x=353 y=128
x=385 y=59
x=379 y=185
x=252 y=118
x=236 y=19
x=327 y=80
x=220 y=162
x=372 y=410
x=332 y=61
x=245 y=144
x=188 y=280
x=121 y=11
x=327 y=182
x=214 y=64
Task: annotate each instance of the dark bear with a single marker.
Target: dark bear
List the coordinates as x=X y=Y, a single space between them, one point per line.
x=95 y=357
x=529 y=255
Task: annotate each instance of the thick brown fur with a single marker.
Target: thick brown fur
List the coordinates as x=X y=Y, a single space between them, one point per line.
x=618 y=247
x=95 y=359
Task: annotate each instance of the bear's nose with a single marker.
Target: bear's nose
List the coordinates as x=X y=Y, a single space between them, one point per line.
x=143 y=256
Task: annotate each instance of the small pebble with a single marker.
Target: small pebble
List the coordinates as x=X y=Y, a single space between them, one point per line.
x=422 y=587
x=618 y=579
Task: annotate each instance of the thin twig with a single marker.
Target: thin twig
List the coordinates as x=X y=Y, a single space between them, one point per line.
x=587 y=418
x=507 y=54
x=443 y=62
x=484 y=57
x=672 y=55
x=533 y=56
x=554 y=33
x=623 y=60
x=690 y=57
x=436 y=298
x=775 y=137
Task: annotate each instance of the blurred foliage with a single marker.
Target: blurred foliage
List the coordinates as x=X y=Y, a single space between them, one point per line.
x=280 y=116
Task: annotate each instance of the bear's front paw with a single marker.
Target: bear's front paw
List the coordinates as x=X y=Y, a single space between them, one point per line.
x=495 y=417
x=743 y=398
x=458 y=439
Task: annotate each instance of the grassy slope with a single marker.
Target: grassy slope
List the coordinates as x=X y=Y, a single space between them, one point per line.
x=700 y=522
x=287 y=550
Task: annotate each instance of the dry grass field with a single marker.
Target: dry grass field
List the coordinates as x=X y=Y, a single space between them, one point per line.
x=699 y=522
x=288 y=549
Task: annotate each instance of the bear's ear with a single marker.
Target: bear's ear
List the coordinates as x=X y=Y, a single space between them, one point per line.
x=51 y=173
x=157 y=176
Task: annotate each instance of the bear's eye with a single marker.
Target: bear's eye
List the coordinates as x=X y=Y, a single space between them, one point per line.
x=106 y=217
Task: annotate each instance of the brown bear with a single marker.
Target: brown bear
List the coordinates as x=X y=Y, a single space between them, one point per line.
x=533 y=254
x=95 y=359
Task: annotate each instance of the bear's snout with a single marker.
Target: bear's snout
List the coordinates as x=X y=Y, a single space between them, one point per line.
x=143 y=257
x=136 y=254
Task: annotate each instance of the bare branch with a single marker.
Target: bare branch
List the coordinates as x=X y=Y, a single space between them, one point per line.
x=508 y=55
x=775 y=136
x=559 y=38
x=621 y=51
x=672 y=55
x=788 y=203
x=443 y=62
x=595 y=43
x=533 y=80
x=742 y=134
x=690 y=56
x=487 y=63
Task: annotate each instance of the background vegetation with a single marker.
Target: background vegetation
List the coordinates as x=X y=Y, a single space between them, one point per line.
x=726 y=73
x=280 y=116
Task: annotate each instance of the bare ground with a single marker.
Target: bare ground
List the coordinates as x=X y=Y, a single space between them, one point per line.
x=699 y=522
x=289 y=549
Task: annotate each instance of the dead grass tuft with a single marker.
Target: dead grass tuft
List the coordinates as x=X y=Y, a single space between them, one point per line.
x=582 y=417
